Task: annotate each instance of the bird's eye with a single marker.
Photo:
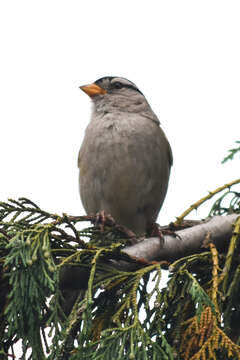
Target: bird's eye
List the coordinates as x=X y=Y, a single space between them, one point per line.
x=117 y=85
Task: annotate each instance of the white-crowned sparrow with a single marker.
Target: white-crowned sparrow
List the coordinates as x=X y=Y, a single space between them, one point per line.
x=125 y=157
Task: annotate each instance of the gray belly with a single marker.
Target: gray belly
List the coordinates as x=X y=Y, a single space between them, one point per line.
x=125 y=173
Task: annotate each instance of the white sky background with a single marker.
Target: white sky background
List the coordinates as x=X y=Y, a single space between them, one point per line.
x=183 y=55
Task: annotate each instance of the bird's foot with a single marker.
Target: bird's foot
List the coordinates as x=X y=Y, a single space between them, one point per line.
x=103 y=219
x=129 y=233
x=155 y=230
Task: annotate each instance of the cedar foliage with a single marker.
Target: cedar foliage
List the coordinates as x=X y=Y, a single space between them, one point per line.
x=117 y=314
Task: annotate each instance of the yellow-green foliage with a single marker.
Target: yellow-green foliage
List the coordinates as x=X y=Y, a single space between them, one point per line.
x=122 y=310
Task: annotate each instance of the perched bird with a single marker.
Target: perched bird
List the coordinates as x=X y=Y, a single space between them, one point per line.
x=125 y=157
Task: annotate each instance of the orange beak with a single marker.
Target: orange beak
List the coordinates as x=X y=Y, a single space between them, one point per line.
x=93 y=90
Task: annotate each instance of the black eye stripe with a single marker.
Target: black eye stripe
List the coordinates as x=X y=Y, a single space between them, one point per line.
x=110 y=78
x=117 y=85
x=131 y=87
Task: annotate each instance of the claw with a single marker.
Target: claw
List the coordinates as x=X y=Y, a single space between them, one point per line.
x=155 y=230
x=129 y=233
x=103 y=219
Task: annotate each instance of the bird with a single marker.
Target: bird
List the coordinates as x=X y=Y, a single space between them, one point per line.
x=125 y=158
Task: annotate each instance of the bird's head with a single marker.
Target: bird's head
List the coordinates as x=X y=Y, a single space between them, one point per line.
x=114 y=92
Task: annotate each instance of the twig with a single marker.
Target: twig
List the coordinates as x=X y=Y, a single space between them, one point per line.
x=201 y=201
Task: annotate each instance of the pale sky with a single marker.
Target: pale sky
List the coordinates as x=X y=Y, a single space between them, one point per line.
x=183 y=55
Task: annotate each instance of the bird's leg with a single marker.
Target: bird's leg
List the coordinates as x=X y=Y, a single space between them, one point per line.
x=102 y=219
x=155 y=230
x=129 y=233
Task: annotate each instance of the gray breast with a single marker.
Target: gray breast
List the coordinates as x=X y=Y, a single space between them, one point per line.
x=124 y=166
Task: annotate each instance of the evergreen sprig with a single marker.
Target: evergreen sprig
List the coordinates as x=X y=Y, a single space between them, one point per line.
x=59 y=280
x=232 y=152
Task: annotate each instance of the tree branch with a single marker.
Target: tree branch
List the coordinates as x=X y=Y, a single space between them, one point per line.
x=187 y=241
